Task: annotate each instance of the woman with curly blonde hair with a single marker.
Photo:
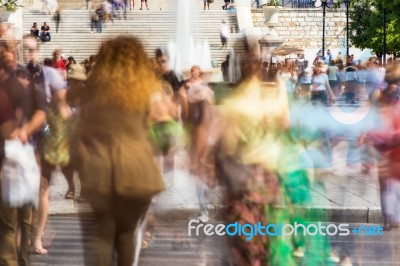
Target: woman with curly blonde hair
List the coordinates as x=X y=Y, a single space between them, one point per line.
x=114 y=157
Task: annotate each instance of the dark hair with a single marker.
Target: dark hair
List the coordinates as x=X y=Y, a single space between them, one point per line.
x=5 y=62
x=92 y=58
x=160 y=52
x=48 y=62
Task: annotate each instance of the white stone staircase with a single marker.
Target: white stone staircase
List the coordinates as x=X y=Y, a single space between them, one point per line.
x=154 y=28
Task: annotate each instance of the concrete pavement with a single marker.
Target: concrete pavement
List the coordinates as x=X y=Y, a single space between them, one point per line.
x=68 y=240
x=349 y=196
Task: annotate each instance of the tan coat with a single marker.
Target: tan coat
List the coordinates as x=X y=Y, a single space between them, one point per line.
x=113 y=155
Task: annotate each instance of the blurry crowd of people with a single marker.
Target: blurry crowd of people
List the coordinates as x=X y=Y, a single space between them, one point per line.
x=117 y=118
x=326 y=80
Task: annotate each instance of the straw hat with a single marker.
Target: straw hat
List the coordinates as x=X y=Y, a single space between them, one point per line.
x=76 y=71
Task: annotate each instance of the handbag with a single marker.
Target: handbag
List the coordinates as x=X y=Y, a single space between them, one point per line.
x=56 y=140
x=20 y=175
x=210 y=1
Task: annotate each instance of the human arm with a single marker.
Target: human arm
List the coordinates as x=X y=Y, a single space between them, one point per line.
x=7 y=117
x=182 y=100
x=31 y=127
x=329 y=89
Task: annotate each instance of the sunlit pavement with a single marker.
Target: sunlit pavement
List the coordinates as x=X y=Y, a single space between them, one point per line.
x=348 y=194
x=67 y=236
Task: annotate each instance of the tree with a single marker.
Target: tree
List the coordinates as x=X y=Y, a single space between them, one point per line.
x=10 y=5
x=366 y=26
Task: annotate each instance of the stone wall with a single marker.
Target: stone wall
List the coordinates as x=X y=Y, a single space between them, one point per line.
x=303 y=27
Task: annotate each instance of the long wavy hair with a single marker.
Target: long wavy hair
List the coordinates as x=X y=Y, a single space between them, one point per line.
x=122 y=77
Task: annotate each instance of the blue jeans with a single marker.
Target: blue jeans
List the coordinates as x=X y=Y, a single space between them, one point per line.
x=125 y=7
x=100 y=26
x=43 y=35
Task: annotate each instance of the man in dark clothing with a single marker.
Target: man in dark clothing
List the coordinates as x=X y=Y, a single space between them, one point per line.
x=35 y=30
x=100 y=14
x=45 y=33
x=12 y=88
x=272 y=70
x=57 y=19
x=264 y=74
x=225 y=69
x=166 y=73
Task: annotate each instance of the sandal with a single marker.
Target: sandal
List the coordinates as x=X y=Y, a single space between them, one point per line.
x=69 y=195
x=40 y=251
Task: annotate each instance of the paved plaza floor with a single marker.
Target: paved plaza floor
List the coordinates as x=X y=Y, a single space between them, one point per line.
x=348 y=195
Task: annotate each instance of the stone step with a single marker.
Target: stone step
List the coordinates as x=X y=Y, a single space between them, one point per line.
x=153 y=4
x=154 y=28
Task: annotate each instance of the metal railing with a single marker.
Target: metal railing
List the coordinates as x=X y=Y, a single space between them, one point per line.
x=291 y=3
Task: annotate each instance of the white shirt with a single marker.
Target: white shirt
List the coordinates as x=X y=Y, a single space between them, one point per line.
x=52 y=81
x=224 y=31
x=319 y=82
x=333 y=72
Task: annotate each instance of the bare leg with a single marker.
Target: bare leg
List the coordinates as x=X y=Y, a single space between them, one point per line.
x=68 y=172
x=42 y=216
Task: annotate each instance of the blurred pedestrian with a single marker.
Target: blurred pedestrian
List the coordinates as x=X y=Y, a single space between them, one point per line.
x=333 y=75
x=35 y=30
x=164 y=131
x=224 y=34
x=141 y=4
x=206 y=2
x=70 y=62
x=57 y=19
x=198 y=118
x=226 y=4
x=59 y=64
x=321 y=90
x=100 y=18
x=45 y=33
x=114 y=156
x=12 y=220
x=51 y=5
x=386 y=140
x=246 y=157
x=225 y=68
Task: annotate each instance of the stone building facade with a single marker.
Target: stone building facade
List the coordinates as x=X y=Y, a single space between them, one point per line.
x=303 y=27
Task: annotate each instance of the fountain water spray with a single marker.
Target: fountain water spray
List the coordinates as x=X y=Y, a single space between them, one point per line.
x=185 y=52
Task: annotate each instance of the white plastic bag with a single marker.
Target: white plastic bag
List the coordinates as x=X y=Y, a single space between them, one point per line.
x=20 y=175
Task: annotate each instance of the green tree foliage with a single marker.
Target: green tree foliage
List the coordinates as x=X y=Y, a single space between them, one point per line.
x=366 y=26
x=9 y=5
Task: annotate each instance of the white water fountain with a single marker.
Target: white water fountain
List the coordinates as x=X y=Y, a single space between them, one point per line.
x=185 y=52
x=234 y=72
